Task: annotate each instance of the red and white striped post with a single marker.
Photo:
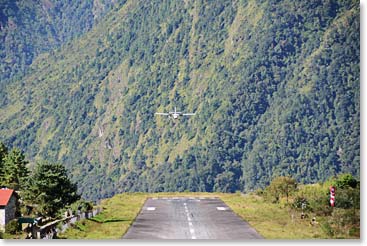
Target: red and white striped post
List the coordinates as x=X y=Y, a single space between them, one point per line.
x=332 y=196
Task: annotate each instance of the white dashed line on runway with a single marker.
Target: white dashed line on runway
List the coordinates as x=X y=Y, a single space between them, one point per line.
x=191 y=226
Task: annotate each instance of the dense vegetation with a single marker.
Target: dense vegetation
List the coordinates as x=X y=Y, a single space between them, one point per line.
x=311 y=204
x=29 y=28
x=275 y=85
x=44 y=191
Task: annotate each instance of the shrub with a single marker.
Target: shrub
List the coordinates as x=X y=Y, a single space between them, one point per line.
x=346 y=180
x=83 y=206
x=320 y=205
x=301 y=203
x=259 y=192
x=13 y=227
x=281 y=186
x=347 y=193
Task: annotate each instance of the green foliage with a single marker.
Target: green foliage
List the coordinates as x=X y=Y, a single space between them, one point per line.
x=342 y=223
x=76 y=207
x=280 y=187
x=81 y=205
x=12 y=227
x=316 y=197
x=14 y=169
x=47 y=189
x=3 y=153
x=50 y=188
x=275 y=85
x=320 y=205
x=29 y=28
x=312 y=200
x=301 y=203
x=345 y=181
x=327 y=229
x=347 y=191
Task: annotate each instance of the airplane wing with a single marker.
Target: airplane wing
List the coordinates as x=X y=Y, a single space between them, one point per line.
x=162 y=113
x=189 y=114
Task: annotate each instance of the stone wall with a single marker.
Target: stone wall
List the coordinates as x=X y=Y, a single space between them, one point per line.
x=50 y=230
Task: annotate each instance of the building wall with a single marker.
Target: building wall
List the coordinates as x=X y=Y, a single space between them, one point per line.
x=2 y=218
x=10 y=209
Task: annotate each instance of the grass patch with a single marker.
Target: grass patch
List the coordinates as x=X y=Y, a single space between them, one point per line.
x=120 y=209
x=272 y=221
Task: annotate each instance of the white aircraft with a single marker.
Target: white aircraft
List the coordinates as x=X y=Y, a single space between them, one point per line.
x=174 y=114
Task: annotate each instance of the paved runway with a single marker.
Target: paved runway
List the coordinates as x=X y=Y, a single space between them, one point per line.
x=189 y=218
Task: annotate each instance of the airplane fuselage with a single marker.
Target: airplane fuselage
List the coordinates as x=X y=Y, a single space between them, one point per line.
x=175 y=114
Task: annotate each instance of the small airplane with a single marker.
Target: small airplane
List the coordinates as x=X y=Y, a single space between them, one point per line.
x=175 y=114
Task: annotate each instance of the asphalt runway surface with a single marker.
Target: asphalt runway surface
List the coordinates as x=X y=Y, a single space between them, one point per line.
x=189 y=218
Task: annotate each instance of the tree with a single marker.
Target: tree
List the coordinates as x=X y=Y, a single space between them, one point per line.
x=50 y=188
x=15 y=169
x=282 y=186
x=345 y=180
x=3 y=153
x=224 y=182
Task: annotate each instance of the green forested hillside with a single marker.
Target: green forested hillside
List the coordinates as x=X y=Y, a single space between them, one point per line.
x=275 y=85
x=29 y=28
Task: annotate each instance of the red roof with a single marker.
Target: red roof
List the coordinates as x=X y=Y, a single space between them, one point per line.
x=5 y=195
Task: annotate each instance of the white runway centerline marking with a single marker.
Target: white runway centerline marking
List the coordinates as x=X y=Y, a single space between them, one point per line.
x=191 y=227
x=221 y=208
x=150 y=208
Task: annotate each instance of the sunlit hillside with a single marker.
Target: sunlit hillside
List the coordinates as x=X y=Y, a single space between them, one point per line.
x=274 y=84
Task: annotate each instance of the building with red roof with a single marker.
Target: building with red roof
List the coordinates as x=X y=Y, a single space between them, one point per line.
x=8 y=201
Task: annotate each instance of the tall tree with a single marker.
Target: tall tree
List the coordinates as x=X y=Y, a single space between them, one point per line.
x=15 y=169
x=50 y=188
x=3 y=153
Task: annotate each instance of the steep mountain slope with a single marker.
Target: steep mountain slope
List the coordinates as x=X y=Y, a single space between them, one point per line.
x=275 y=86
x=29 y=28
